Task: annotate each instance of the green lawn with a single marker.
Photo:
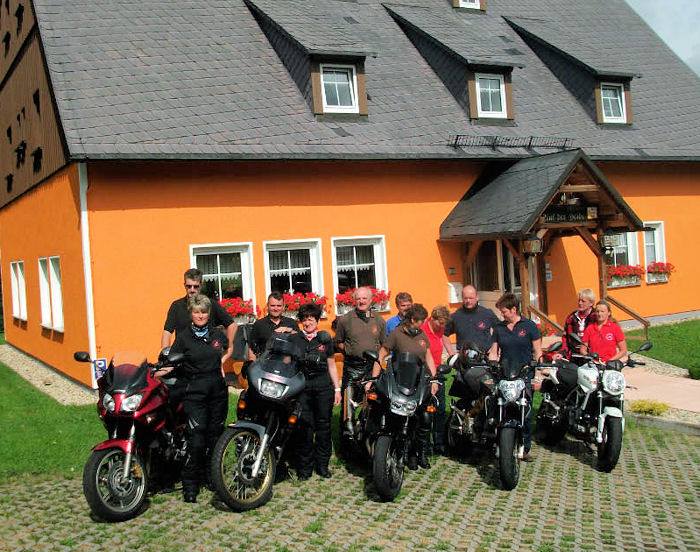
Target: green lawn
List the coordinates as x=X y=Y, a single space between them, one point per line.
x=674 y=343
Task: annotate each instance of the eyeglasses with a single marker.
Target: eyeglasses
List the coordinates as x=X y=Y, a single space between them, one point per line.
x=193 y=286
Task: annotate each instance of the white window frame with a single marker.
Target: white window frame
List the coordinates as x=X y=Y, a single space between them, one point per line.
x=315 y=255
x=51 y=293
x=45 y=292
x=659 y=245
x=471 y=4
x=355 y=107
x=245 y=249
x=503 y=114
x=19 y=290
x=380 y=265
x=632 y=258
x=621 y=88
x=56 y=283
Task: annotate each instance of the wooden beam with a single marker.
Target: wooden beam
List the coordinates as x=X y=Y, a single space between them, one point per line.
x=516 y=254
x=602 y=269
x=540 y=314
x=578 y=188
x=524 y=286
x=470 y=258
x=590 y=241
x=634 y=314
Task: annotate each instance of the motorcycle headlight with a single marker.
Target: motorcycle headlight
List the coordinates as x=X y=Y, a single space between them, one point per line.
x=272 y=389
x=613 y=382
x=403 y=408
x=108 y=402
x=131 y=403
x=511 y=390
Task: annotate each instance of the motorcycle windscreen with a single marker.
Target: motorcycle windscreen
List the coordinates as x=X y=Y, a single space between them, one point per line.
x=510 y=369
x=281 y=365
x=407 y=375
x=129 y=377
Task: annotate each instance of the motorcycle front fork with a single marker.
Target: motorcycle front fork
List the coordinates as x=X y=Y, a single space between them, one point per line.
x=129 y=453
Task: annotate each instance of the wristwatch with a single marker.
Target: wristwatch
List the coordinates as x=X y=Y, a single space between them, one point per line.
x=337 y=390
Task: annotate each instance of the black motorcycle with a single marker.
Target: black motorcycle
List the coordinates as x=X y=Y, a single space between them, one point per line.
x=353 y=416
x=399 y=396
x=246 y=456
x=492 y=409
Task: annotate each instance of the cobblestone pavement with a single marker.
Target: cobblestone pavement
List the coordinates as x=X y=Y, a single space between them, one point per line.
x=650 y=502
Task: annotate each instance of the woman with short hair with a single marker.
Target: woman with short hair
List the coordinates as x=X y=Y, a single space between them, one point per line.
x=206 y=394
x=321 y=392
x=517 y=340
x=434 y=329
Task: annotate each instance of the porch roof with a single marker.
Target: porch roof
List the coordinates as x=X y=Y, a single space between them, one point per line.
x=511 y=204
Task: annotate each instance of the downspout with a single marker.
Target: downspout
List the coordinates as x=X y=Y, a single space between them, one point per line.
x=87 y=266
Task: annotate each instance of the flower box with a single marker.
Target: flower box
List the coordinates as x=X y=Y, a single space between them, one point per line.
x=624 y=275
x=658 y=272
x=293 y=301
x=242 y=311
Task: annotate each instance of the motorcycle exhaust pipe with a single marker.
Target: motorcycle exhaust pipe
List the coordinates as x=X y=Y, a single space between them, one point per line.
x=259 y=457
x=127 y=459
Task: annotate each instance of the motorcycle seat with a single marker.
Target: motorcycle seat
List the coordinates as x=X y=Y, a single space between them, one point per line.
x=568 y=374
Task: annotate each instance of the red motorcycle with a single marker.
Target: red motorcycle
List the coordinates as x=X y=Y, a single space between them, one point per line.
x=146 y=442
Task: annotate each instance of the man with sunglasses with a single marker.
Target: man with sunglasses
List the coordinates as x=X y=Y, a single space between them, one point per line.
x=179 y=317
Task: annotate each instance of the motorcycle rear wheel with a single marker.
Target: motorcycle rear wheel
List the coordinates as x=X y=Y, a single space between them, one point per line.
x=388 y=477
x=231 y=466
x=508 y=461
x=110 y=498
x=552 y=432
x=609 y=450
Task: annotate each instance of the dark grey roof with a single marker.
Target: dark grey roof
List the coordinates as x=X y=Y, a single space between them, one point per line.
x=510 y=205
x=598 y=57
x=319 y=27
x=199 y=79
x=475 y=40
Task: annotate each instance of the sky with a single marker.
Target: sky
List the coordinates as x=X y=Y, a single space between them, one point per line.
x=677 y=22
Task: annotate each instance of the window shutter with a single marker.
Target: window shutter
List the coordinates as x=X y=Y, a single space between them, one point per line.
x=317 y=99
x=508 y=83
x=598 y=104
x=361 y=89
x=471 y=90
x=628 y=103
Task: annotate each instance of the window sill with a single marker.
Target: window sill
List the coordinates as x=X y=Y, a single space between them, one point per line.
x=51 y=328
x=657 y=279
x=19 y=318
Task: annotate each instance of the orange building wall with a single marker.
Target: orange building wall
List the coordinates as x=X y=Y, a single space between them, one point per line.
x=46 y=222
x=143 y=217
x=667 y=192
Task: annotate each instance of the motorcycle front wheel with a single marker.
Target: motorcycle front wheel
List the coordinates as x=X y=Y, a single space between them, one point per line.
x=508 y=461
x=232 y=466
x=609 y=450
x=457 y=443
x=109 y=495
x=388 y=476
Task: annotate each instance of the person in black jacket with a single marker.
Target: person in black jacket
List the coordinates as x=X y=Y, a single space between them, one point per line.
x=205 y=395
x=321 y=393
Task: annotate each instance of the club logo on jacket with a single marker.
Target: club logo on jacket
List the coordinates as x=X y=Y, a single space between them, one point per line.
x=423 y=344
x=609 y=337
x=481 y=325
x=216 y=344
x=375 y=330
x=522 y=333
x=321 y=348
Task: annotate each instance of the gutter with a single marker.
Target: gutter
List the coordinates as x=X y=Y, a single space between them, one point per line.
x=87 y=266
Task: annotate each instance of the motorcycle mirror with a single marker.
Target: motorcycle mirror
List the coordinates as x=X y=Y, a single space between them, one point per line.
x=174 y=358
x=444 y=369
x=371 y=356
x=81 y=356
x=452 y=360
x=554 y=347
x=163 y=356
x=645 y=346
x=575 y=338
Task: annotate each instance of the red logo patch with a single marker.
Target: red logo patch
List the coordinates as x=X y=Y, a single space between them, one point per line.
x=522 y=333
x=216 y=344
x=321 y=347
x=422 y=343
x=375 y=330
x=609 y=337
x=481 y=325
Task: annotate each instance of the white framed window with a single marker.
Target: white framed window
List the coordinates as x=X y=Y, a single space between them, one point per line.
x=50 y=293
x=624 y=251
x=654 y=249
x=359 y=261
x=474 y=4
x=613 y=99
x=339 y=88
x=19 y=290
x=491 y=95
x=227 y=269
x=293 y=266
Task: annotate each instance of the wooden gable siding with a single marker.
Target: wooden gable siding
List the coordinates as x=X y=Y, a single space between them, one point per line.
x=16 y=22
x=31 y=148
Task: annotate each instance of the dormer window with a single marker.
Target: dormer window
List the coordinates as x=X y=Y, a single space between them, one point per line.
x=491 y=96
x=612 y=97
x=339 y=88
